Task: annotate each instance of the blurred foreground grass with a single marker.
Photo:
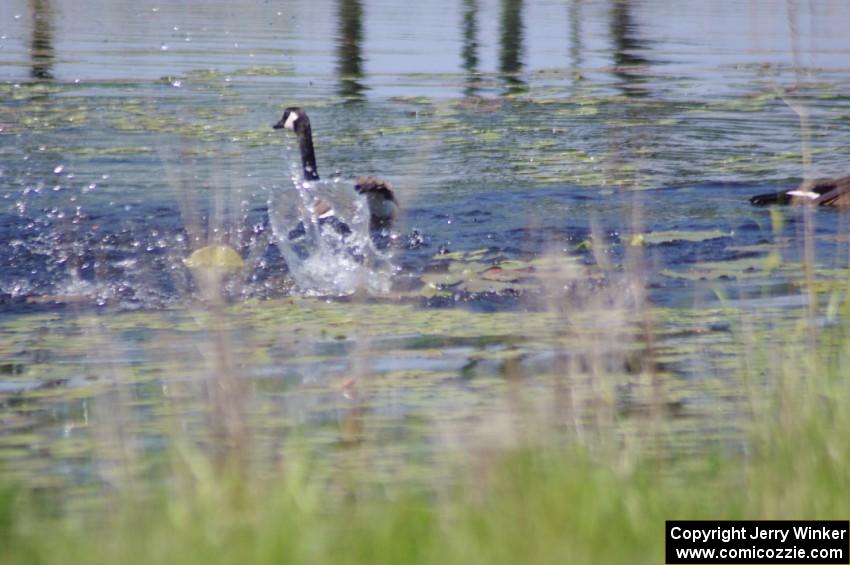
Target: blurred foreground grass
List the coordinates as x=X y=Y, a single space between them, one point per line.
x=539 y=502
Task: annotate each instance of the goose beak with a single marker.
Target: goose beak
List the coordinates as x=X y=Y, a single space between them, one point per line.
x=279 y=125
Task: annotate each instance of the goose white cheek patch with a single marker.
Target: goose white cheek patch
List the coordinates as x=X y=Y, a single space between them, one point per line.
x=804 y=194
x=290 y=121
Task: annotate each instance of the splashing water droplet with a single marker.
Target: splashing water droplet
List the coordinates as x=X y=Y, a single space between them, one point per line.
x=57 y=170
x=327 y=254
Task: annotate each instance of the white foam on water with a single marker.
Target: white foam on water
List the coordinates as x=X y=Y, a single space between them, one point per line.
x=323 y=261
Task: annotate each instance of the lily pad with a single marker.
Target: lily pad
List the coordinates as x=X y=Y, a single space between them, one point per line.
x=739 y=268
x=659 y=237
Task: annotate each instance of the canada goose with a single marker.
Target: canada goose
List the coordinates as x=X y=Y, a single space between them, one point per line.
x=822 y=192
x=379 y=194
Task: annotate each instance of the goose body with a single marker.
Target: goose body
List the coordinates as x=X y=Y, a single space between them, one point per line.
x=379 y=194
x=833 y=192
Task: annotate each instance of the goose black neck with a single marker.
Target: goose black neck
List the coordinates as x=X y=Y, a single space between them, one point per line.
x=308 y=156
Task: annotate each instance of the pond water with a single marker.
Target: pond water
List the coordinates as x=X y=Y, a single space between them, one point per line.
x=546 y=155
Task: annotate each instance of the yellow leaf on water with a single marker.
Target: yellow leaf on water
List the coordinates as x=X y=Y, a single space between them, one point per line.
x=221 y=257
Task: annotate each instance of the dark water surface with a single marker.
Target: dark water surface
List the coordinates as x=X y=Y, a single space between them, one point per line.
x=515 y=133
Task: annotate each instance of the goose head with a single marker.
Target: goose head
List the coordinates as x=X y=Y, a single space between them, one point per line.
x=293 y=118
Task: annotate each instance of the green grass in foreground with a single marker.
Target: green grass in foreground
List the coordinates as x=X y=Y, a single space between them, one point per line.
x=532 y=505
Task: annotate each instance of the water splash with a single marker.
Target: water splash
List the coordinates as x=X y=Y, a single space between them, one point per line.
x=328 y=253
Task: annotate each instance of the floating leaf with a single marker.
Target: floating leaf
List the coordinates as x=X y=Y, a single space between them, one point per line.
x=658 y=237
x=218 y=257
